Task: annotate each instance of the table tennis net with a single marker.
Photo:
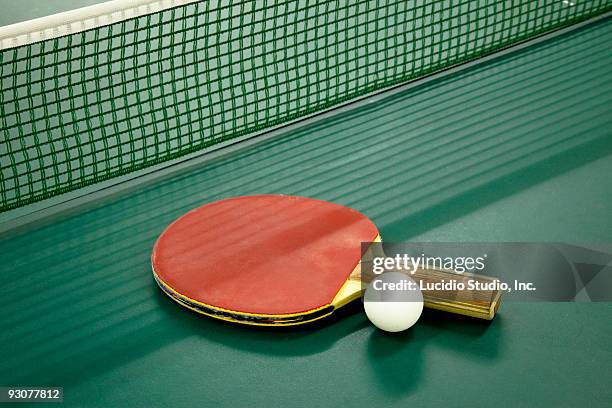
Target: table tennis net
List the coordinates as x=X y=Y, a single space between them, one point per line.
x=89 y=106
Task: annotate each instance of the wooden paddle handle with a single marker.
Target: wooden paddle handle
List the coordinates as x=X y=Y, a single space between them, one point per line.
x=464 y=294
x=479 y=297
x=468 y=301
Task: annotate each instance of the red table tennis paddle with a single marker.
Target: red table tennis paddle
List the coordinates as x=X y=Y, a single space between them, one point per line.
x=279 y=260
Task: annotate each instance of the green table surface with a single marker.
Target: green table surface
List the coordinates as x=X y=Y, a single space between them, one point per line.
x=518 y=148
x=18 y=11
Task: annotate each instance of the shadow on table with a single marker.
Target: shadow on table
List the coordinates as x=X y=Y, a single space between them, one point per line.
x=396 y=360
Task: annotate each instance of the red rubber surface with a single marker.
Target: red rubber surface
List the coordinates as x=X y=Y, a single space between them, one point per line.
x=267 y=254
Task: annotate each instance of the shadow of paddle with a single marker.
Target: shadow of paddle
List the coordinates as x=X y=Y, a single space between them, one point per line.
x=299 y=340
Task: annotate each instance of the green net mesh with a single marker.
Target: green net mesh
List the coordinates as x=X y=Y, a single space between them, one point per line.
x=94 y=105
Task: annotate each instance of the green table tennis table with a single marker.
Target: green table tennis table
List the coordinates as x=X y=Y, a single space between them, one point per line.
x=81 y=310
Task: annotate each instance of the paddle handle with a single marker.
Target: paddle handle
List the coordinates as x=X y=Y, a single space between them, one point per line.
x=468 y=297
x=464 y=294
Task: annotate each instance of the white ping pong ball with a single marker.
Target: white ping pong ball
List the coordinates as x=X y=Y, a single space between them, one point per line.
x=393 y=302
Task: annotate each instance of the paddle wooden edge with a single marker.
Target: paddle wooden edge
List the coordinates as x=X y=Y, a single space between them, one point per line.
x=249 y=319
